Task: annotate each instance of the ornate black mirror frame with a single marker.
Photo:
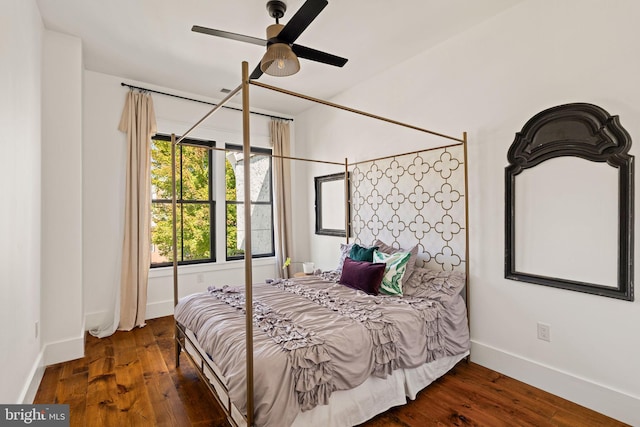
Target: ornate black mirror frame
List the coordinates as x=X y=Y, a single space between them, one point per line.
x=321 y=227
x=589 y=132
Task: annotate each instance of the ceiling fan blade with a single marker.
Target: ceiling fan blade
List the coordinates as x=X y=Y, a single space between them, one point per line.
x=318 y=56
x=256 y=73
x=228 y=35
x=301 y=20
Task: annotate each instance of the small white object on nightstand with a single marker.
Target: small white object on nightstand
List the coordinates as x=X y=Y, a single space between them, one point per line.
x=307 y=267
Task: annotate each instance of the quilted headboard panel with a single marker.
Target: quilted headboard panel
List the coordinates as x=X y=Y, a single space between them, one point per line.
x=414 y=199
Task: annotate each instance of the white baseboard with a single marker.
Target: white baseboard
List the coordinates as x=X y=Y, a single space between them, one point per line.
x=63 y=351
x=50 y=354
x=33 y=380
x=159 y=309
x=154 y=310
x=613 y=403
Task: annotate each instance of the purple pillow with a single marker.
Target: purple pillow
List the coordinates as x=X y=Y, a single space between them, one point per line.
x=362 y=275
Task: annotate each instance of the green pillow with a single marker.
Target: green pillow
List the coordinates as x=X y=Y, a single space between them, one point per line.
x=394 y=271
x=360 y=253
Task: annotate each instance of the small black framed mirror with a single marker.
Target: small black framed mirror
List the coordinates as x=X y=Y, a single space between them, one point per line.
x=569 y=223
x=332 y=206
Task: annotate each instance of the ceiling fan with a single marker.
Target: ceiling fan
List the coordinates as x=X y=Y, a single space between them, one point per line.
x=281 y=57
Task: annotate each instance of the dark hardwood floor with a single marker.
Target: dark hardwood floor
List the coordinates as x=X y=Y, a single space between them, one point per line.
x=130 y=379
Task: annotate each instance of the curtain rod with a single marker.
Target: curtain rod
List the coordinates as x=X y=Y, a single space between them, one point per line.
x=202 y=102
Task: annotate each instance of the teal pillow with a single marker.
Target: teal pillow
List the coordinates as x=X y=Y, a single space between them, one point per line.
x=394 y=272
x=360 y=253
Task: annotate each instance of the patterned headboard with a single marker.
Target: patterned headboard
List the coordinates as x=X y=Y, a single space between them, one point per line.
x=413 y=199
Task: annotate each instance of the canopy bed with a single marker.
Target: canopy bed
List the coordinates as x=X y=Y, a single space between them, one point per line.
x=333 y=348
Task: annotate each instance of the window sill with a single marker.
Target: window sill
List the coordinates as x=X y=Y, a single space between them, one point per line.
x=213 y=266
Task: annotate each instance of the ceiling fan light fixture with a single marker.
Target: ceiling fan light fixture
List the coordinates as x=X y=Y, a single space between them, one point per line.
x=280 y=61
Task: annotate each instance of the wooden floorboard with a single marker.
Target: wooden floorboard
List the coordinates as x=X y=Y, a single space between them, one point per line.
x=130 y=379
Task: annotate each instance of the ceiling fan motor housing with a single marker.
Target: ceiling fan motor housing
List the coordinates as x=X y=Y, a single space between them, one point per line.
x=272 y=32
x=276 y=9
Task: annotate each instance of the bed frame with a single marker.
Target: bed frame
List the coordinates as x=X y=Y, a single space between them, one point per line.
x=183 y=339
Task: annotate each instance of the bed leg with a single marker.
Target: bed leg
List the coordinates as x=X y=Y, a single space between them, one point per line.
x=177 y=348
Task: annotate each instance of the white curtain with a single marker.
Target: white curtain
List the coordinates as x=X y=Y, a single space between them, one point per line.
x=139 y=122
x=280 y=141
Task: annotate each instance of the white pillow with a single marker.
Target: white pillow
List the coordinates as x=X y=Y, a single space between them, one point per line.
x=345 y=249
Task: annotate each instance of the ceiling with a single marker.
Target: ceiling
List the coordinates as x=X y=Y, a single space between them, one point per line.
x=151 y=41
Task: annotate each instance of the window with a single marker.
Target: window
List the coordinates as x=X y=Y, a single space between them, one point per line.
x=262 y=243
x=195 y=202
x=196 y=208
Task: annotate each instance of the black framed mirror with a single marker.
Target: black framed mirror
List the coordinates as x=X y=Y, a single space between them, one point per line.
x=569 y=223
x=332 y=206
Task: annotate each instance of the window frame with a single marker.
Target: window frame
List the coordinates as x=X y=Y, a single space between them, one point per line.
x=211 y=202
x=259 y=151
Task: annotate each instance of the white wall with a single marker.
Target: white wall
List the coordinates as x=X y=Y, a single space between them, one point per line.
x=20 y=241
x=489 y=81
x=103 y=163
x=63 y=310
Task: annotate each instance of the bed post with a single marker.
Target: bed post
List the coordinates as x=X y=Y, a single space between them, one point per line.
x=466 y=229
x=246 y=153
x=347 y=209
x=174 y=241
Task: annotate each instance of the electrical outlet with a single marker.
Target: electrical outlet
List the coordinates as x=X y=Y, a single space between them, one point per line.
x=544 y=332
x=37 y=329
x=200 y=278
